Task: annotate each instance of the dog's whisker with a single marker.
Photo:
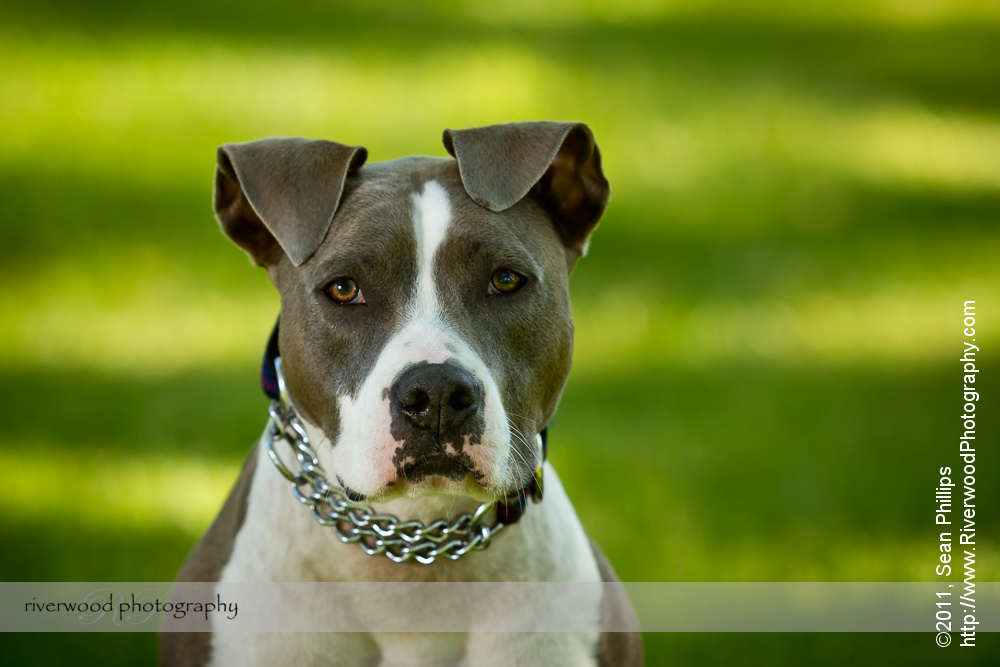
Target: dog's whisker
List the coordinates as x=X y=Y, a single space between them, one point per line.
x=520 y=437
x=527 y=419
x=519 y=454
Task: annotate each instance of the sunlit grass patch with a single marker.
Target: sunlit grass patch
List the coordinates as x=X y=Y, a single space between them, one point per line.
x=100 y=490
x=890 y=325
x=734 y=143
x=136 y=312
x=892 y=12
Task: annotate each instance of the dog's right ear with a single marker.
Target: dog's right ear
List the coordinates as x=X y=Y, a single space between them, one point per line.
x=280 y=194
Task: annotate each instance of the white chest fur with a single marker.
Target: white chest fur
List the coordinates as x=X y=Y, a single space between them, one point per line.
x=281 y=542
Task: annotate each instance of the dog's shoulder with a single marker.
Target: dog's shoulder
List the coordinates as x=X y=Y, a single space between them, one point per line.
x=205 y=563
x=614 y=647
x=212 y=552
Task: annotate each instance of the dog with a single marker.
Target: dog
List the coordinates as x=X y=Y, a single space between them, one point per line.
x=424 y=339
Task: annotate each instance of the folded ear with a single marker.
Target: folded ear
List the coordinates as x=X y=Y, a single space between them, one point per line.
x=556 y=163
x=280 y=194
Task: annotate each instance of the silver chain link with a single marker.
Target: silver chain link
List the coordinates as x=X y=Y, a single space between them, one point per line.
x=356 y=523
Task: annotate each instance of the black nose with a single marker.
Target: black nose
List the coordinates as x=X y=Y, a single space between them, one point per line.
x=438 y=398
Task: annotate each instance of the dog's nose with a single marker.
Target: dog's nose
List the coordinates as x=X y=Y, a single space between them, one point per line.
x=437 y=397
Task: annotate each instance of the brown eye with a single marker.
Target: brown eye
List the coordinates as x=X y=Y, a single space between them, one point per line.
x=505 y=281
x=345 y=290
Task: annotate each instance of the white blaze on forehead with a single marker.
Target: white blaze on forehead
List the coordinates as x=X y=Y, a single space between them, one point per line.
x=431 y=218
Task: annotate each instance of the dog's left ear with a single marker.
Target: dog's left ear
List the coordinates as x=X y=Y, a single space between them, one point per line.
x=558 y=164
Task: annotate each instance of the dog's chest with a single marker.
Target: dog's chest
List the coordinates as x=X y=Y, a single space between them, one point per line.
x=279 y=541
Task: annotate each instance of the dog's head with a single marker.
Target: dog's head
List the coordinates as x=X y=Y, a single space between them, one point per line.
x=425 y=317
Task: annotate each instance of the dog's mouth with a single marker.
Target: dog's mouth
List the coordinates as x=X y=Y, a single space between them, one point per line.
x=351 y=493
x=437 y=474
x=449 y=466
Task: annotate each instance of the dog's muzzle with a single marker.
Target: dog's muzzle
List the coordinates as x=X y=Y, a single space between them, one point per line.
x=380 y=534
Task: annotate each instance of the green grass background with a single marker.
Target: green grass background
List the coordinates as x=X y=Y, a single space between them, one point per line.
x=766 y=376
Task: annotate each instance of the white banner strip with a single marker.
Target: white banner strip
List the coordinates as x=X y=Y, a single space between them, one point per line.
x=497 y=607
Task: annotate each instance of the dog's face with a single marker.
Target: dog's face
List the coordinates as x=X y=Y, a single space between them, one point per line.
x=425 y=318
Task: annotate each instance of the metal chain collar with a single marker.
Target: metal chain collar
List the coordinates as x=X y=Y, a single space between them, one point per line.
x=354 y=522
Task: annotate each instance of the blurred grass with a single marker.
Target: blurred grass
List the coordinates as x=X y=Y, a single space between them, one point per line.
x=768 y=323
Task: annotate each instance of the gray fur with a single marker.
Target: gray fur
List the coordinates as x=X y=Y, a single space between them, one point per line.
x=285 y=188
x=558 y=163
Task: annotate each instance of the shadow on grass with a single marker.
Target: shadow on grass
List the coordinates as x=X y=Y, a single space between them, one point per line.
x=63 y=550
x=814 y=649
x=702 y=649
x=80 y=648
x=209 y=415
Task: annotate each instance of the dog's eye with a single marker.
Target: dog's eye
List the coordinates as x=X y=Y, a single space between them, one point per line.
x=505 y=281
x=345 y=290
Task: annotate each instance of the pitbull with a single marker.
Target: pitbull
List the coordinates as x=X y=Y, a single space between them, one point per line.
x=425 y=338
